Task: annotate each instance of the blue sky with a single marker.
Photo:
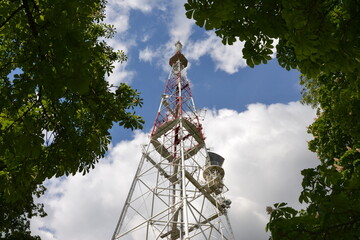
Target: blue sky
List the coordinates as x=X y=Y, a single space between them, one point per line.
x=213 y=84
x=253 y=119
x=213 y=88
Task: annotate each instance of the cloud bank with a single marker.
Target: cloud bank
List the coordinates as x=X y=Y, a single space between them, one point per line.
x=264 y=148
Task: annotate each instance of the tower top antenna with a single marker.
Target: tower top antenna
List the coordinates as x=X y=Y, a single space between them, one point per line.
x=178 y=56
x=178 y=46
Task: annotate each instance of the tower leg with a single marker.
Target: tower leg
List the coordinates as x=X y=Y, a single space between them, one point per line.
x=127 y=201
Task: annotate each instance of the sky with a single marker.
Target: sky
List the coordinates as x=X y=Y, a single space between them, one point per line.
x=253 y=119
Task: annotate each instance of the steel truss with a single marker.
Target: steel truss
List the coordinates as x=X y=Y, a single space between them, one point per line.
x=177 y=191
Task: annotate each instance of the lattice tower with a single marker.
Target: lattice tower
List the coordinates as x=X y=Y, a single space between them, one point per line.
x=178 y=189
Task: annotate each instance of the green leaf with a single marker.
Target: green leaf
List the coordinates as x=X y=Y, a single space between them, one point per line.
x=56 y=114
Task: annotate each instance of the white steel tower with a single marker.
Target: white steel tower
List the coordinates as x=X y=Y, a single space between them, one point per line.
x=178 y=189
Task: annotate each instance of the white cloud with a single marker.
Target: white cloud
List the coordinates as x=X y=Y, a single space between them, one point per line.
x=264 y=149
x=89 y=206
x=225 y=57
x=142 y=5
x=147 y=54
x=120 y=71
x=180 y=28
x=118 y=14
x=228 y=58
x=145 y=37
x=120 y=74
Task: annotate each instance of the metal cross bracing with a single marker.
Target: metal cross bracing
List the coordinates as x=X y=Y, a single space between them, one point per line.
x=178 y=189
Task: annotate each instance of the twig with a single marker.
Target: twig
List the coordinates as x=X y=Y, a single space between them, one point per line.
x=11 y=16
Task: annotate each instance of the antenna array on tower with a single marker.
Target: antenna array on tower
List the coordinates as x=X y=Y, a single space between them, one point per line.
x=178 y=189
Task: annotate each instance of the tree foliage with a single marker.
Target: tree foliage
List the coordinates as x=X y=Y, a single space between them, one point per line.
x=332 y=189
x=321 y=40
x=313 y=36
x=56 y=106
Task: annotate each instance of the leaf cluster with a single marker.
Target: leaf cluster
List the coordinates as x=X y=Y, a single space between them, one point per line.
x=332 y=189
x=310 y=34
x=321 y=40
x=56 y=106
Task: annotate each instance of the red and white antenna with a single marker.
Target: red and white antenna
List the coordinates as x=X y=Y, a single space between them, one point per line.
x=178 y=189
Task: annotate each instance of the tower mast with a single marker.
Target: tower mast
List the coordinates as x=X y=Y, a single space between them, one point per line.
x=178 y=189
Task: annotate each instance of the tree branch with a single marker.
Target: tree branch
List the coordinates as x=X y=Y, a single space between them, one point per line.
x=19 y=118
x=11 y=16
x=35 y=6
x=30 y=18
